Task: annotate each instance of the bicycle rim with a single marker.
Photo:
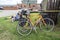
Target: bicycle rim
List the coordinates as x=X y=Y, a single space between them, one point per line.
x=49 y=25
x=24 y=30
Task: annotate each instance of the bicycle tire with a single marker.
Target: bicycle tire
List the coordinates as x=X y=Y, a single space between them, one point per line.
x=19 y=31
x=51 y=24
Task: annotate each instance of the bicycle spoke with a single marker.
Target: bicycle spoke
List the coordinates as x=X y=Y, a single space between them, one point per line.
x=24 y=28
x=49 y=25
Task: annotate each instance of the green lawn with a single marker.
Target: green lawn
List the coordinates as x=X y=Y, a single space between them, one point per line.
x=8 y=32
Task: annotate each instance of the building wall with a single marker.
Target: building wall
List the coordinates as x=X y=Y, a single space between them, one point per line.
x=16 y=7
x=50 y=4
x=25 y=3
x=44 y=4
x=32 y=6
x=10 y=7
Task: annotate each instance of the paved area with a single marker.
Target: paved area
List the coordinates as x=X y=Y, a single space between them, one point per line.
x=4 y=13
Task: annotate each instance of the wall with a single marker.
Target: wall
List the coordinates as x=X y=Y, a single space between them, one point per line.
x=10 y=7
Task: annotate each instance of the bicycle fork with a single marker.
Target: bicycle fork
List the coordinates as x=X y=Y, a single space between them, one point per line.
x=34 y=27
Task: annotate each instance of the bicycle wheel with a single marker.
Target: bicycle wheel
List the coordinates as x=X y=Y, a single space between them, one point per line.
x=48 y=26
x=24 y=28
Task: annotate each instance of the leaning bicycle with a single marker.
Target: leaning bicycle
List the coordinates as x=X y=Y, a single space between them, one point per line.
x=25 y=25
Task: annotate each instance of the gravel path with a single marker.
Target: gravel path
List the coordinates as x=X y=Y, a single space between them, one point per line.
x=4 y=13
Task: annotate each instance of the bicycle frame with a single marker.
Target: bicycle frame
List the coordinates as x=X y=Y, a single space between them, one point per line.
x=36 y=22
x=32 y=25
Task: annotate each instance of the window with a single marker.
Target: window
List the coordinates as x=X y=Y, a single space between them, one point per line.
x=33 y=5
x=29 y=1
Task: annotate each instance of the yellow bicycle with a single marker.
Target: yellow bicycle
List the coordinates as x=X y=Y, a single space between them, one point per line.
x=25 y=25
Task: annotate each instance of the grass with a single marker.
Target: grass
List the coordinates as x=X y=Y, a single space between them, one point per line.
x=8 y=32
